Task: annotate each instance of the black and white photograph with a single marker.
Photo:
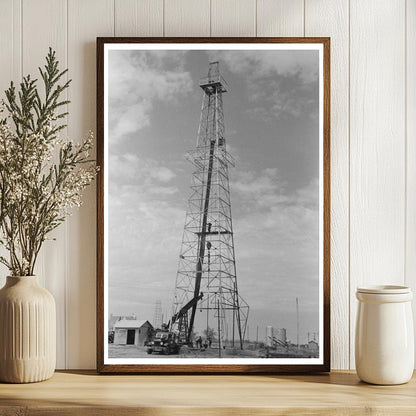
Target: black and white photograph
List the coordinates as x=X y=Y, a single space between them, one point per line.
x=213 y=207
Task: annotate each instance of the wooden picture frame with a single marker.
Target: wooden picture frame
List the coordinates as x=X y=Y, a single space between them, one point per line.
x=273 y=364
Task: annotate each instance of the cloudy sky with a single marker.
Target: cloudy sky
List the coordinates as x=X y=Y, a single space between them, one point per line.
x=271 y=122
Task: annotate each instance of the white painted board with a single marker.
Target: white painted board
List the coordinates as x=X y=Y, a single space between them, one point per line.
x=377 y=147
x=330 y=18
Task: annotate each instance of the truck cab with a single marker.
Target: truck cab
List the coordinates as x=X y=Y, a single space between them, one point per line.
x=164 y=342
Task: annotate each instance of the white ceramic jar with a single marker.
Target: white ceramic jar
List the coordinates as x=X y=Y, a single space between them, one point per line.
x=384 y=340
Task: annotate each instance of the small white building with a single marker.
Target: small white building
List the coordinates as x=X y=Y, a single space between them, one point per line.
x=131 y=332
x=114 y=318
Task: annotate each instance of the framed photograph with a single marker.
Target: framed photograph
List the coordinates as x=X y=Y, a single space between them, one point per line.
x=213 y=205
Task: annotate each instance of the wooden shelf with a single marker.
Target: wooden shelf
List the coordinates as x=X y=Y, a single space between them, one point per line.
x=86 y=393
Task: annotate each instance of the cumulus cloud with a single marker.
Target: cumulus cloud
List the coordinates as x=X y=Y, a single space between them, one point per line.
x=274 y=191
x=281 y=84
x=145 y=172
x=267 y=204
x=284 y=98
x=259 y=64
x=144 y=241
x=145 y=227
x=249 y=183
x=276 y=232
x=136 y=80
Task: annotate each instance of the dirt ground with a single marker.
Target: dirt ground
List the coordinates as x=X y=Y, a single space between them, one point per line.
x=131 y=351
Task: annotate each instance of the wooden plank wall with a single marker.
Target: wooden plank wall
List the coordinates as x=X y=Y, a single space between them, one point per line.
x=410 y=141
x=373 y=125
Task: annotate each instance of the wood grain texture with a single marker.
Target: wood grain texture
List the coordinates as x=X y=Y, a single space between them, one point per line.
x=334 y=394
x=37 y=38
x=377 y=147
x=330 y=18
x=86 y=19
x=187 y=18
x=280 y=18
x=411 y=149
x=10 y=44
x=100 y=201
x=138 y=17
x=382 y=219
x=218 y=368
x=229 y=411
x=233 y=18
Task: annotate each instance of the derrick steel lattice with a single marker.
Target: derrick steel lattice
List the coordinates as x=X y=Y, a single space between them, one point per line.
x=207 y=266
x=158 y=316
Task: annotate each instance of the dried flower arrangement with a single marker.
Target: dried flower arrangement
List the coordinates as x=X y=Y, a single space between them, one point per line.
x=42 y=176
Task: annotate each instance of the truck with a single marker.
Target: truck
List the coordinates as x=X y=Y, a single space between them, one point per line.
x=164 y=342
x=167 y=341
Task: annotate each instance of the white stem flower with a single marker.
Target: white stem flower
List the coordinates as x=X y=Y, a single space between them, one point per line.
x=42 y=176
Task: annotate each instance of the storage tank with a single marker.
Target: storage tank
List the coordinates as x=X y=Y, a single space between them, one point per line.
x=280 y=335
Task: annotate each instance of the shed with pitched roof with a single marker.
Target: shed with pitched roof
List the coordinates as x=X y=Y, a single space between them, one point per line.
x=132 y=332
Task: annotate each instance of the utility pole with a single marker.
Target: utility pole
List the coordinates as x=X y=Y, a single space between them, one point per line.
x=219 y=328
x=297 y=323
x=233 y=328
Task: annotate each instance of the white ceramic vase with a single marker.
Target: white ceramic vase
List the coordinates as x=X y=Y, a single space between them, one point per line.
x=384 y=338
x=27 y=331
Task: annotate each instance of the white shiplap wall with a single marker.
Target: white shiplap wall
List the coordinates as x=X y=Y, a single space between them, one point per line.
x=373 y=128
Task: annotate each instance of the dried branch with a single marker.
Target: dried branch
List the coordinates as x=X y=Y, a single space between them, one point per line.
x=37 y=193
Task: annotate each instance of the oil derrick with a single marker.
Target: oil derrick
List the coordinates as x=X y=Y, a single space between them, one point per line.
x=157 y=316
x=207 y=268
